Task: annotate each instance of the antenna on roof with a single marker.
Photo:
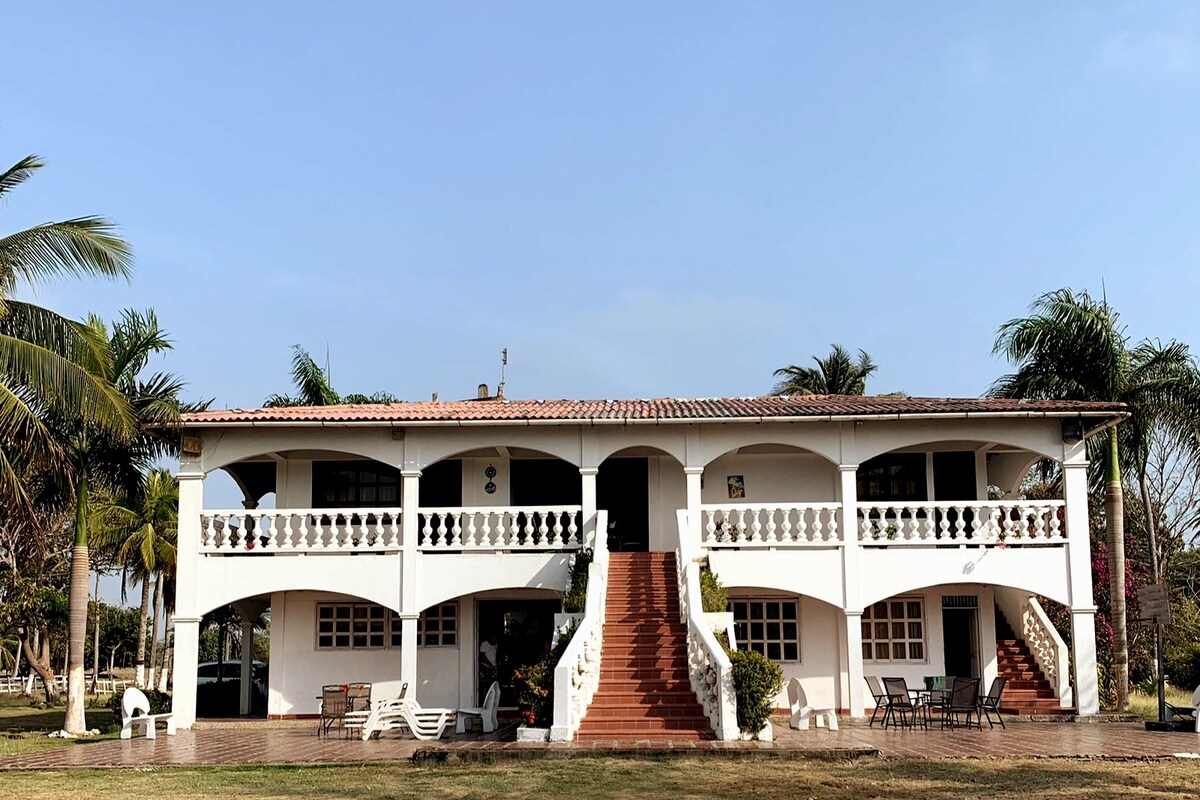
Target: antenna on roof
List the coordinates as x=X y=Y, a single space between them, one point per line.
x=503 y=365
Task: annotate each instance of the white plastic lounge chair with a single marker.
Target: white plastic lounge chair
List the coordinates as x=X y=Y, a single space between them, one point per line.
x=135 y=713
x=486 y=714
x=802 y=712
x=423 y=723
x=1183 y=712
x=381 y=692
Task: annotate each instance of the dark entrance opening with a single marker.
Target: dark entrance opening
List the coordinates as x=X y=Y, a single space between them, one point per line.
x=522 y=629
x=623 y=489
x=960 y=635
x=544 y=481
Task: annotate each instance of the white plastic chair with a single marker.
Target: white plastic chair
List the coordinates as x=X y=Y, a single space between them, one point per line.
x=802 y=712
x=135 y=713
x=486 y=714
x=423 y=723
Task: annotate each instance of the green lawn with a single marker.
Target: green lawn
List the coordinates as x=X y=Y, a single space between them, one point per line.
x=1146 y=705
x=23 y=728
x=583 y=779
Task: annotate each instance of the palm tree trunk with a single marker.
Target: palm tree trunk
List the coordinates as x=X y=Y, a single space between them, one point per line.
x=96 y=640
x=1115 y=514
x=140 y=656
x=158 y=604
x=77 y=617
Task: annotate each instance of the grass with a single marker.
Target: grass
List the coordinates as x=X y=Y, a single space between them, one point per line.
x=23 y=727
x=1146 y=705
x=584 y=779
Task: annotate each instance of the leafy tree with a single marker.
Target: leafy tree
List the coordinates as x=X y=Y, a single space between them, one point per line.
x=313 y=387
x=837 y=373
x=1071 y=347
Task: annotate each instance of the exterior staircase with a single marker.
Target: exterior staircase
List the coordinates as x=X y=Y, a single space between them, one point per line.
x=1027 y=692
x=644 y=690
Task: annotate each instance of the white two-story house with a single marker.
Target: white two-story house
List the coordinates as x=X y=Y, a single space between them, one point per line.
x=857 y=536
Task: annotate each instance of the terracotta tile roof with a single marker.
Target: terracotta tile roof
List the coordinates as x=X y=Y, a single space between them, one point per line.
x=658 y=410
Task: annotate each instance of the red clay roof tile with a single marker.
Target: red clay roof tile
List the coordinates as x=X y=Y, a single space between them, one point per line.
x=662 y=409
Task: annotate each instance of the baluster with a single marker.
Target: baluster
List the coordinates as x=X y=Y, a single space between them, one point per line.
x=544 y=537
x=1039 y=521
x=470 y=539
x=530 y=530
x=819 y=534
x=785 y=526
x=866 y=530
x=1055 y=523
x=832 y=532
x=752 y=532
x=801 y=534
x=960 y=523
x=710 y=528
x=205 y=530
x=556 y=534
x=426 y=530
x=573 y=529
x=270 y=528
x=770 y=515
x=456 y=528
x=283 y=522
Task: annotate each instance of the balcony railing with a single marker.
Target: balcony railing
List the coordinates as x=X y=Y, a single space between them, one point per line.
x=270 y=531
x=986 y=522
x=500 y=528
x=741 y=525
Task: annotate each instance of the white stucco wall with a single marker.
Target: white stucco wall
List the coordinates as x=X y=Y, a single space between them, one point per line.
x=774 y=478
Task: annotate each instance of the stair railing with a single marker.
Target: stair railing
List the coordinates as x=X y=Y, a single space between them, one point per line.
x=709 y=668
x=1048 y=649
x=577 y=675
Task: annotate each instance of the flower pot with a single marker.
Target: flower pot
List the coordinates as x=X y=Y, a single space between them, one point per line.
x=527 y=734
x=767 y=734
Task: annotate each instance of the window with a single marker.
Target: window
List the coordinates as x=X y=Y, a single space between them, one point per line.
x=893 y=477
x=438 y=626
x=366 y=626
x=768 y=626
x=355 y=484
x=894 y=630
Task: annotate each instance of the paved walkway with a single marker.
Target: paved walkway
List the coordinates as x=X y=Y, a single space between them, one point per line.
x=300 y=746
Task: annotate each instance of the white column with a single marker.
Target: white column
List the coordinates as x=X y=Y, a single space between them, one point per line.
x=587 y=478
x=852 y=604
x=694 y=477
x=854 y=661
x=1083 y=645
x=247 y=666
x=187 y=615
x=409 y=558
x=187 y=658
x=1083 y=603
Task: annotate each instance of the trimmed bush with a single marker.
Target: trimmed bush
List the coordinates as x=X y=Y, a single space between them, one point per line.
x=713 y=596
x=1182 y=665
x=756 y=681
x=160 y=703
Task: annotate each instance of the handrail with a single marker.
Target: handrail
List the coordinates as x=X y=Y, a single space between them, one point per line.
x=709 y=668
x=577 y=675
x=1049 y=650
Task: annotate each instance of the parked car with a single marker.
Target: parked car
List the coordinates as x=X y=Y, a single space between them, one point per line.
x=231 y=670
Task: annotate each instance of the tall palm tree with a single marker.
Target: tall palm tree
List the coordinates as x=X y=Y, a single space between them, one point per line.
x=40 y=352
x=119 y=464
x=837 y=373
x=1071 y=347
x=313 y=387
x=144 y=529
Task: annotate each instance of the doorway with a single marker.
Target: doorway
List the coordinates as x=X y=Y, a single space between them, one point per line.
x=960 y=635
x=623 y=489
x=522 y=628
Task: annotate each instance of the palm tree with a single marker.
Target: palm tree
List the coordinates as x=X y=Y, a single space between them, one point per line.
x=41 y=352
x=1071 y=347
x=118 y=464
x=313 y=387
x=838 y=373
x=144 y=529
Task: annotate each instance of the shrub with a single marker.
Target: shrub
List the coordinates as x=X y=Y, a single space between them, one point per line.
x=575 y=598
x=756 y=681
x=713 y=596
x=1182 y=666
x=536 y=684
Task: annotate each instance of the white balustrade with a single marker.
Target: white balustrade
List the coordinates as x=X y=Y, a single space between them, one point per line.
x=740 y=525
x=971 y=523
x=500 y=528
x=709 y=667
x=1048 y=649
x=577 y=675
x=307 y=530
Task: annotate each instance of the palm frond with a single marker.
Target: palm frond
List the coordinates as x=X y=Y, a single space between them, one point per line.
x=19 y=173
x=80 y=246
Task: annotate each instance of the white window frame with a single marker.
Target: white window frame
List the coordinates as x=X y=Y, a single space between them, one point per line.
x=440 y=614
x=869 y=621
x=761 y=644
x=355 y=612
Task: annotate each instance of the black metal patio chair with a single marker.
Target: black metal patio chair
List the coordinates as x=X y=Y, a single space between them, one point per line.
x=963 y=700
x=990 y=702
x=879 y=695
x=903 y=709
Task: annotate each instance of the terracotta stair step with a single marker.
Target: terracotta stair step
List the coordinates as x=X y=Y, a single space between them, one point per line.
x=640 y=711
x=664 y=697
x=693 y=724
x=618 y=685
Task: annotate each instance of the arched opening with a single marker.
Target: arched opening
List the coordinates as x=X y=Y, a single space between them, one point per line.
x=769 y=472
x=640 y=488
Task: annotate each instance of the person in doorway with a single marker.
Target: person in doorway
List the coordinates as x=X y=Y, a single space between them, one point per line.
x=544 y=656
x=488 y=660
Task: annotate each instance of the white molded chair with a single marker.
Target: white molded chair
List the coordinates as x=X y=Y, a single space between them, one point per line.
x=802 y=712
x=381 y=692
x=486 y=714
x=135 y=713
x=407 y=715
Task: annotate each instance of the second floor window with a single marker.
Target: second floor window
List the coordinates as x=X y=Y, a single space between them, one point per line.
x=355 y=484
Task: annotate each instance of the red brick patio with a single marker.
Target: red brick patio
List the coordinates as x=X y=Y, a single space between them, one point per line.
x=299 y=746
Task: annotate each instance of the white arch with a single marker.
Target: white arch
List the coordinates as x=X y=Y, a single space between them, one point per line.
x=432 y=451
x=220 y=451
x=1041 y=570
x=821 y=440
x=222 y=580
x=1043 y=437
x=444 y=578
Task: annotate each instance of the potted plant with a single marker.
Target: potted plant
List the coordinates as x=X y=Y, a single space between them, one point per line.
x=535 y=684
